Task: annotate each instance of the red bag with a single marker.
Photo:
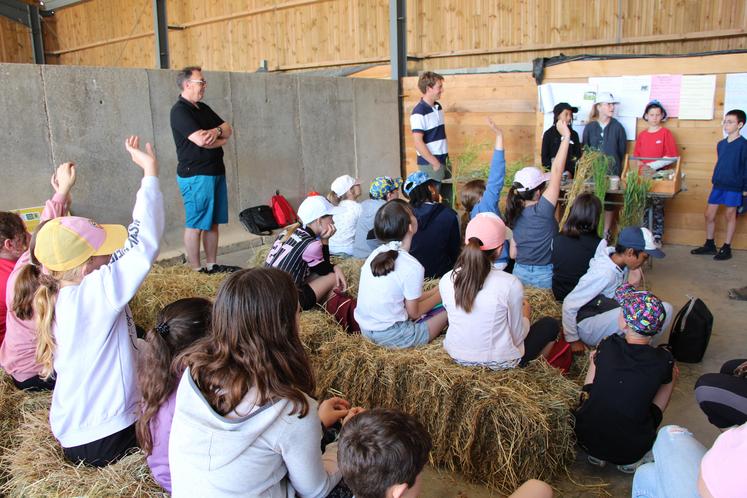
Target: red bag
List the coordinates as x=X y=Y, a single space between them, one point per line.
x=341 y=306
x=561 y=356
x=282 y=210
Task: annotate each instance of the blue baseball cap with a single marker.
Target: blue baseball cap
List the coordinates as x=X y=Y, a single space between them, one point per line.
x=415 y=180
x=641 y=239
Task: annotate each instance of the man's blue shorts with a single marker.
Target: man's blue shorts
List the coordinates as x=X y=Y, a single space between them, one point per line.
x=205 y=200
x=725 y=198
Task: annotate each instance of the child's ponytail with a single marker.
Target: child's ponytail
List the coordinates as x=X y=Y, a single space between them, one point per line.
x=391 y=224
x=333 y=198
x=515 y=202
x=178 y=326
x=45 y=299
x=26 y=284
x=470 y=271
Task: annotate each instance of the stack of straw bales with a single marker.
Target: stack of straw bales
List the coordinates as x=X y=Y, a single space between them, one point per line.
x=32 y=463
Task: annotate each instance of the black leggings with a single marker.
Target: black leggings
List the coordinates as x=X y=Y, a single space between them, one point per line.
x=104 y=451
x=35 y=384
x=541 y=333
x=722 y=396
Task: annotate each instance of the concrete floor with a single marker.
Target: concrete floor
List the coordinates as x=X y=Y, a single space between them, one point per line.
x=672 y=279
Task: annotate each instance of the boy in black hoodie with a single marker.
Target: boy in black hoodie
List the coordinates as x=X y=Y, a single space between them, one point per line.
x=437 y=242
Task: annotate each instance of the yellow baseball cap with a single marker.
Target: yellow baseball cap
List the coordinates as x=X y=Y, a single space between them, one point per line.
x=66 y=242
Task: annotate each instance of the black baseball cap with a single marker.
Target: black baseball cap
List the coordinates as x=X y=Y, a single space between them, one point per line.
x=562 y=106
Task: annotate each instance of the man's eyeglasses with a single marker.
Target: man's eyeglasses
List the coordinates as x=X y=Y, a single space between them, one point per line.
x=199 y=82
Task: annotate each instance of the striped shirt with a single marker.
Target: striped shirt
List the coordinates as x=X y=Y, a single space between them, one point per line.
x=430 y=122
x=296 y=255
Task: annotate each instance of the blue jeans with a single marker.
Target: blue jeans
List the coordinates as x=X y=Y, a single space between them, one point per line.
x=675 y=469
x=539 y=276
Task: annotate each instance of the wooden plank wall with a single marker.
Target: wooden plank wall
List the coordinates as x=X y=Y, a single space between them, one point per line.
x=15 y=42
x=234 y=35
x=511 y=99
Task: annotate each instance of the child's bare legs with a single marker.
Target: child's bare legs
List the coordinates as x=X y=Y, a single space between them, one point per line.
x=322 y=286
x=436 y=325
x=710 y=220
x=533 y=489
x=731 y=223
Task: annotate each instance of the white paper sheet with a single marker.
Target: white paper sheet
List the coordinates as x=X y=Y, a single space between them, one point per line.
x=629 y=123
x=579 y=95
x=696 y=96
x=735 y=95
x=633 y=92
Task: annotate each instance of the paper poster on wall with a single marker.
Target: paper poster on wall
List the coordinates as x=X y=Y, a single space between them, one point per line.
x=735 y=94
x=579 y=95
x=666 y=89
x=629 y=123
x=632 y=92
x=696 y=96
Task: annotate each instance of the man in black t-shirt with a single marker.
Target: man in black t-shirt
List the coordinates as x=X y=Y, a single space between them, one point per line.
x=628 y=385
x=199 y=135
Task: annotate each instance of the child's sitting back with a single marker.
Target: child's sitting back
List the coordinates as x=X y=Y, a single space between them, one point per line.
x=178 y=325
x=628 y=384
x=382 y=453
x=345 y=191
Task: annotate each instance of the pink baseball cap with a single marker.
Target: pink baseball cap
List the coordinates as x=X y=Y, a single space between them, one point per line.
x=66 y=242
x=487 y=227
x=530 y=178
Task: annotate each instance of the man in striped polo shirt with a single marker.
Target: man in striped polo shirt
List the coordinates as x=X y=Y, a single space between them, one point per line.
x=429 y=132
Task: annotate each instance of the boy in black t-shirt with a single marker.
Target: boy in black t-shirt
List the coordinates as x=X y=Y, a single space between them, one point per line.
x=628 y=385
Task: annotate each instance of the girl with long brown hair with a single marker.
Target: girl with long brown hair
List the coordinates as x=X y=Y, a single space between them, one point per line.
x=178 y=326
x=488 y=316
x=18 y=350
x=244 y=422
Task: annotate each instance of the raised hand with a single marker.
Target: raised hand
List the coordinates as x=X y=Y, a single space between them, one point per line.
x=145 y=159
x=63 y=178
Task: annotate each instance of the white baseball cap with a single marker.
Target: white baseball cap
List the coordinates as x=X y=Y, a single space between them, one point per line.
x=314 y=207
x=605 y=98
x=530 y=178
x=343 y=183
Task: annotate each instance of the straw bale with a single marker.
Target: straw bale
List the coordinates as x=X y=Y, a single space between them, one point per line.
x=496 y=428
x=37 y=466
x=166 y=284
x=542 y=303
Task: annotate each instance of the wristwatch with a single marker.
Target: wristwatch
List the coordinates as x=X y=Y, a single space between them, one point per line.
x=220 y=131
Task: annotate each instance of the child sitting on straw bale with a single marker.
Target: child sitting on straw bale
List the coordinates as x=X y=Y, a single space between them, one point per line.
x=589 y=311
x=86 y=332
x=628 y=385
x=390 y=292
x=244 y=421
x=437 y=241
x=18 y=350
x=530 y=213
x=303 y=252
x=382 y=453
x=14 y=240
x=178 y=325
x=383 y=189
x=575 y=245
x=480 y=197
x=345 y=191
x=488 y=316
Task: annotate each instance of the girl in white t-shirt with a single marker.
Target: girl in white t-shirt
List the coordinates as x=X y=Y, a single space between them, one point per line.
x=345 y=191
x=488 y=316
x=390 y=295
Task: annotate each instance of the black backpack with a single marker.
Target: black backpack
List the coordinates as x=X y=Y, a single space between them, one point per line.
x=691 y=331
x=258 y=219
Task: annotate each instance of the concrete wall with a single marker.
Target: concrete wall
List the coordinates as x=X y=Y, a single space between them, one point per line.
x=291 y=132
